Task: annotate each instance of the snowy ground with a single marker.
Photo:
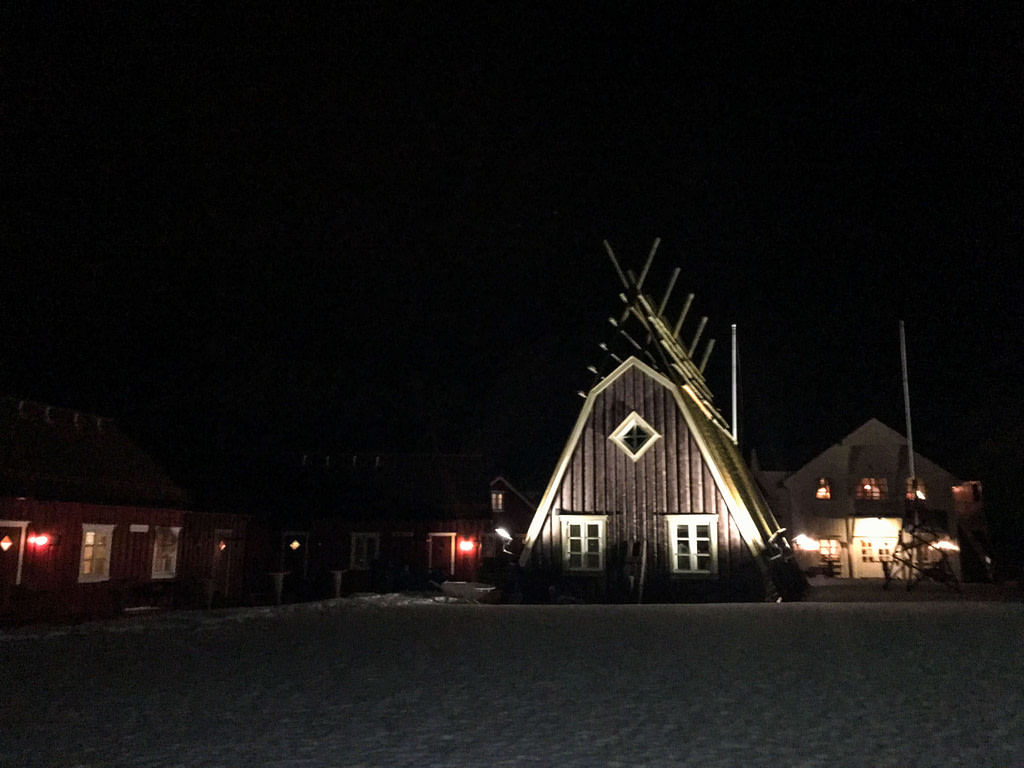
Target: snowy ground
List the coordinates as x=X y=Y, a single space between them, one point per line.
x=399 y=681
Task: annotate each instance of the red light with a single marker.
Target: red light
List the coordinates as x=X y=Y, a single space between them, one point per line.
x=40 y=540
x=465 y=545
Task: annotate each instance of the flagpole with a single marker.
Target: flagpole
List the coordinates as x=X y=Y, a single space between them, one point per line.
x=735 y=415
x=906 y=408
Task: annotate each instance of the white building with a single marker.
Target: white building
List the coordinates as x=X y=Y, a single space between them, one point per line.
x=845 y=508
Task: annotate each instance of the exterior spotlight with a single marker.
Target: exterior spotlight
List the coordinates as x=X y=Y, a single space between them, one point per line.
x=466 y=546
x=806 y=543
x=505 y=535
x=39 y=539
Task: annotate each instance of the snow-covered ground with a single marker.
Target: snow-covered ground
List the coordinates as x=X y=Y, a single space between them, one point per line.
x=404 y=681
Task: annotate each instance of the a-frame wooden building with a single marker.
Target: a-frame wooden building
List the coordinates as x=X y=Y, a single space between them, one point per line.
x=651 y=500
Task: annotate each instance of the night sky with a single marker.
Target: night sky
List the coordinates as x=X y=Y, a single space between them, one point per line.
x=377 y=226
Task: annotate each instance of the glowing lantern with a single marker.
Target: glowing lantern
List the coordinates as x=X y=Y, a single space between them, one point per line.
x=466 y=546
x=222 y=545
x=294 y=545
x=40 y=539
x=6 y=543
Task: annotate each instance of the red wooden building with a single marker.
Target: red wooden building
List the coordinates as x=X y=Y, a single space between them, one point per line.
x=90 y=526
x=380 y=522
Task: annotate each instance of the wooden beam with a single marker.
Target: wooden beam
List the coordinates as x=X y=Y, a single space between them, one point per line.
x=696 y=337
x=647 y=266
x=615 y=263
x=707 y=354
x=682 y=316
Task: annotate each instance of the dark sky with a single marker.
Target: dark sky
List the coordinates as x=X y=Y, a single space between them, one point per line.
x=377 y=225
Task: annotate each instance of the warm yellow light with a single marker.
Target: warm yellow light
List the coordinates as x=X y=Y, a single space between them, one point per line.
x=948 y=545
x=6 y=543
x=806 y=543
x=222 y=545
x=294 y=545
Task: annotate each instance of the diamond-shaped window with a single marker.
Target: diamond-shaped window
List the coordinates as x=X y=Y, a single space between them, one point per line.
x=634 y=436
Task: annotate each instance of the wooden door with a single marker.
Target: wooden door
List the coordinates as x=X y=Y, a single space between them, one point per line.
x=223 y=545
x=12 y=550
x=441 y=554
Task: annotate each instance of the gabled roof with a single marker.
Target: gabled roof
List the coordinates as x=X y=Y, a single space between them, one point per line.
x=65 y=455
x=505 y=485
x=863 y=451
x=671 y=363
x=744 y=500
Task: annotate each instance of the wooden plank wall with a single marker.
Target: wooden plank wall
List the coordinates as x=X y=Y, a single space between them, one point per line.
x=671 y=477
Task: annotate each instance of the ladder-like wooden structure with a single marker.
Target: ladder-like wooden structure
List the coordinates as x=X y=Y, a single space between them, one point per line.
x=657 y=340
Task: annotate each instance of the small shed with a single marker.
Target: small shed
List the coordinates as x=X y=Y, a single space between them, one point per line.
x=650 y=499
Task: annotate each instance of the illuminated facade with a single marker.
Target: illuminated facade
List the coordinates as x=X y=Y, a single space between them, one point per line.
x=651 y=500
x=846 y=506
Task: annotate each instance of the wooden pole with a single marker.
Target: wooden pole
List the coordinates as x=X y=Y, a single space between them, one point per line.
x=682 y=316
x=647 y=266
x=615 y=263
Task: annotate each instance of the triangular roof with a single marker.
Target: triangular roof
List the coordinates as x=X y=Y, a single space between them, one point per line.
x=65 y=455
x=732 y=478
x=501 y=482
x=872 y=444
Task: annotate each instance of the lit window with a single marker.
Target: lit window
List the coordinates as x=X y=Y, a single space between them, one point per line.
x=165 y=552
x=829 y=549
x=365 y=547
x=873 y=488
x=497 y=501
x=95 y=557
x=876 y=550
x=824 y=489
x=694 y=542
x=915 y=489
x=634 y=436
x=583 y=542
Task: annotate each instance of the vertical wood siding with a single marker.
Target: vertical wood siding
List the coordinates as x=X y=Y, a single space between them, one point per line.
x=671 y=477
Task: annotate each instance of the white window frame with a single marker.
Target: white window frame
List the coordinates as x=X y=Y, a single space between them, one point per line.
x=585 y=520
x=166 y=573
x=103 y=530
x=634 y=420
x=364 y=537
x=673 y=521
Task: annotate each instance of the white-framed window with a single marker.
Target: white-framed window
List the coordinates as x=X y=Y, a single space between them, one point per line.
x=693 y=540
x=583 y=542
x=165 y=551
x=824 y=491
x=634 y=436
x=877 y=550
x=365 y=548
x=94 y=564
